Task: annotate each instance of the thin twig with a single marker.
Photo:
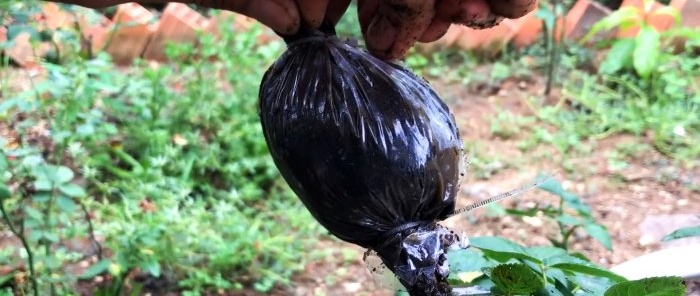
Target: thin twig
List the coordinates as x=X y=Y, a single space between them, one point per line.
x=91 y=231
x=25 y=245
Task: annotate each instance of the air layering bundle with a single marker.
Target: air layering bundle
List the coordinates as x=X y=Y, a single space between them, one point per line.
x=371 y=151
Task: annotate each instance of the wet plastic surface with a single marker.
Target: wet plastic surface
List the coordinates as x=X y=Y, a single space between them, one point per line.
x=369 y=148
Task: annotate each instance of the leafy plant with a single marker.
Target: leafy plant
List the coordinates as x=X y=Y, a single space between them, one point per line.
x=166 y=165
x=641 y=53
x=502 y=267
x=570 y=214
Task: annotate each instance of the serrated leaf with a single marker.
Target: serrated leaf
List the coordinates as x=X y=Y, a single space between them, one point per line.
x=516 y=279
x=656 y=286
x=619 y=57
x=72 y=190
x=65 y=203
x=599 y=232
x=646 y=51
x=96 y=269
x=682 y=233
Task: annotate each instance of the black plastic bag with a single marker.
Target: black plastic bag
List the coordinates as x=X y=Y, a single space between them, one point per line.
x=371 y=151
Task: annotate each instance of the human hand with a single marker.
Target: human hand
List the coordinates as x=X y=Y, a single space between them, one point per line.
x=282 y=16
x=391 y=27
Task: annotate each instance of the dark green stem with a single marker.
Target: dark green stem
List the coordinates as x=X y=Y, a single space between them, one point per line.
x=25 y=245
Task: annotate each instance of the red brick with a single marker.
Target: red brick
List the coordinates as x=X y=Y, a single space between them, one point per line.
x=239 y=22
x=493 y=37
x=690 y=12
x=583 y=16
x=529 y=31
x=3 y=34
x=23 y=53
x=54 y=17
x=179 y=24
x=130 y=33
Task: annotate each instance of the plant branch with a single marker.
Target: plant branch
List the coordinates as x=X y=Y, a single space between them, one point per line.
x=91 y=230
x=25 y=245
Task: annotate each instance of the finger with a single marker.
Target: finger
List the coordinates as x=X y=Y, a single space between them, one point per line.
x=435 y=30
x=365 y=13
x=279 y=15
x=312 y=11
x=336 y=9
x=471 y=13
x=397 y=25
x=512 y=8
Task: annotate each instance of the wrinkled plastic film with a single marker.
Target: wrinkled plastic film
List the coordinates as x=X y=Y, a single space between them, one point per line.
x=367 y=147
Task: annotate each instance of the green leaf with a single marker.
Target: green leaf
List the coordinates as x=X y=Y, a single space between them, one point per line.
x=516 y=279
x=152 y=267
x=41 y=197
x=572 y=200
x=545 y=252
x=501 y=249
x=656 y=286
x=4 y=164
x=646 y=51
x=568 y=220
x=588 y=269
x=63 y=175
x=43 y=185
x=65 y=203
x=7 y=278
x=548 y=290
x=96 y=269
x=73 y=190
x=619 y=57
x=50 y=236
x=33 y=213
x=466 y=260
x=682 y=233
x=599 y=232
x=622 y=17
x=592 y=284
x=4 y=192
